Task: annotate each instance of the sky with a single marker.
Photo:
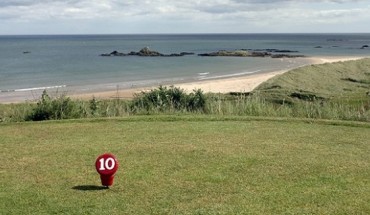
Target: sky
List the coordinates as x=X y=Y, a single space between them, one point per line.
x=183 y=16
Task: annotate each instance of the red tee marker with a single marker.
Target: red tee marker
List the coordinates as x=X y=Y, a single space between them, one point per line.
x=107 y=166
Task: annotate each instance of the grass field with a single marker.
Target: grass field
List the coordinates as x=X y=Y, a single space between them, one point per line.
x=187 y=165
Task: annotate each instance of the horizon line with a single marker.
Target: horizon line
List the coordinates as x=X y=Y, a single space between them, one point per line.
x=214 y=33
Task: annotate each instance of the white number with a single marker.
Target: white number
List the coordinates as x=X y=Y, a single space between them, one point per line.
x=108 y=164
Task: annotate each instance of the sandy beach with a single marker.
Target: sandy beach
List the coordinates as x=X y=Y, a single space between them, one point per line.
x=223 y=85
x=235 y=84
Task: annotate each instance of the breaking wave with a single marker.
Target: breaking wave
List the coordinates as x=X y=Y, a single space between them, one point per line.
x=229 y=75
x=34 y=88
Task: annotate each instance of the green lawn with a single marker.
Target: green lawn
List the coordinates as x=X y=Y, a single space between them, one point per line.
x=187 y=165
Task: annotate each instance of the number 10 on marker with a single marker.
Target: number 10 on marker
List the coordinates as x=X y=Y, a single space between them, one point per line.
x=108 y=163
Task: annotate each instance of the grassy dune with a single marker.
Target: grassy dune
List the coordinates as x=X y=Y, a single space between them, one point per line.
x=187 y=165
x=347 y=82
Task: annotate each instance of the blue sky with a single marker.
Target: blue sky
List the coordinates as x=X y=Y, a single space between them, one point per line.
x=183 y=16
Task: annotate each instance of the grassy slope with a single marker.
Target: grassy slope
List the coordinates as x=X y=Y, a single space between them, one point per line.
x=186 y=165
x=343 y=80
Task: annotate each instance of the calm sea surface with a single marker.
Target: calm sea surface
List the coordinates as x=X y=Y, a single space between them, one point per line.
x=72 y=63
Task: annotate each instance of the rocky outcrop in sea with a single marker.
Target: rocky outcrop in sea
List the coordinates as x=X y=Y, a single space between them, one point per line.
x=145 y=52
x=254 y=53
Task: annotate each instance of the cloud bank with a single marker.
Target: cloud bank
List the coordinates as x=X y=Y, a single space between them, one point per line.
x=181 y=16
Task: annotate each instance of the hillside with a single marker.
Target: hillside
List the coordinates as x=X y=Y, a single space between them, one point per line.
x=342 y=81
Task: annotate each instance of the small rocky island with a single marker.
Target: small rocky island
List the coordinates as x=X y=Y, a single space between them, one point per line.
x=253 y=53
x=145 y=52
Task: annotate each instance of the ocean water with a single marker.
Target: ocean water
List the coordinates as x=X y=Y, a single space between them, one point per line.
x=71 y=63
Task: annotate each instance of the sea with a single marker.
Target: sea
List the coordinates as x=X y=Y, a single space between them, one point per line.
x=72 y=64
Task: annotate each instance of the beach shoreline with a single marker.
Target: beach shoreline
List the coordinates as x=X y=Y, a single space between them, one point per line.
x=241 y=84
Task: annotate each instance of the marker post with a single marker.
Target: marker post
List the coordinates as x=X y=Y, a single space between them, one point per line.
x=106 y=165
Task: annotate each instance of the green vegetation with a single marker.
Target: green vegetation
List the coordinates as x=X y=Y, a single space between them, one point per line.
x=186 y=165
x=170 y=99
x=59 y=108
x=343 y=82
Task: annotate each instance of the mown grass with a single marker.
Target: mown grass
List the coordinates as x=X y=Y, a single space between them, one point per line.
x=187 y=165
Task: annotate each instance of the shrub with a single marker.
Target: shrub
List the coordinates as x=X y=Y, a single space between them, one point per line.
x=168 y=99
x=196 y=101
x=59 y=108
x=93 y=105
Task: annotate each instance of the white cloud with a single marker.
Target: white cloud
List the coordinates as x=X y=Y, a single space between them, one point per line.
x=190 y=15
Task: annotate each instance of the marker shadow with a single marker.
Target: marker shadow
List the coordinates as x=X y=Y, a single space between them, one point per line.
x=89 y=188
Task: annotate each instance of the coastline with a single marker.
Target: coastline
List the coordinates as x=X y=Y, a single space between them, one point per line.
x=242 y=84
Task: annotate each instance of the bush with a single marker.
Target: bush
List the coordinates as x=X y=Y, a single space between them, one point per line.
x=168 y=99
x=51 y=109
x=197 y=101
